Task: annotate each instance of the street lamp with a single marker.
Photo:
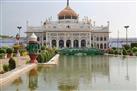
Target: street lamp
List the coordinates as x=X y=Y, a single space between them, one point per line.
x=19 y=27
x=126 y=27
x=17 y=38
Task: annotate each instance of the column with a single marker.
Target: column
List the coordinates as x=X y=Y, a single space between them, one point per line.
x=99 y=41
x=50 y=44
x=72 y=41
x=65 y=42
x=90 y=41
x=42 y=39
x=79 y=43
x=94 y=40
x=57 y=43
x=79 y=40
x=47 y=39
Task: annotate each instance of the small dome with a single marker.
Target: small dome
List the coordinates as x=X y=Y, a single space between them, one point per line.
x=68 y=13
x=33 y=37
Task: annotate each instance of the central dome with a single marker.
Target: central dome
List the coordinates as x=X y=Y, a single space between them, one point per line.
x=67 y=13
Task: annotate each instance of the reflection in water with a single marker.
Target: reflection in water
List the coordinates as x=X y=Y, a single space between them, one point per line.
x=77 y=69
x=127 y=76
x=17 y=82
x=33 y=79
x=80 y=73
x=67 y=87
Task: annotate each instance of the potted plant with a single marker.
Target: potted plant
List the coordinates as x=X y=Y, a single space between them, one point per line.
x=9 y=52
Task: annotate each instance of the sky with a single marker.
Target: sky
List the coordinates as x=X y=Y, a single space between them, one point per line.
x=15 y=13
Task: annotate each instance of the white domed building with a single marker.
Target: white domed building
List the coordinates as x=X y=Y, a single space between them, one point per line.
x=69 y=32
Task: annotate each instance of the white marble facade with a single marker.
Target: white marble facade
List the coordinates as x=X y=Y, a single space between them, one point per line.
x=69 y=31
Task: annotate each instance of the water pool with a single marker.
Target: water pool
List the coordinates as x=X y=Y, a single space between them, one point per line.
x=80 y=73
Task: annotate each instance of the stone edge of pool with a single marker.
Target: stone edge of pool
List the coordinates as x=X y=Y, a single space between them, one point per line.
x=14 y=74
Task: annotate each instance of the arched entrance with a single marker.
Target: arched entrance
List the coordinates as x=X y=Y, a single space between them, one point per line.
x=61 y=43
x=101 y=46
x=76 y=44
x=83 y=43
x=54 y=44
x=105 y=46
x=68 y=43
x=98 y=46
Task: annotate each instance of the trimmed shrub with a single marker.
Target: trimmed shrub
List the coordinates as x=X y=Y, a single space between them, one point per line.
x=5 y=47
x=111 y=51
x=9 y=50
x=12 y=64
x=2 y=51
x=129 y=52
x=43 y=48
x=2 y=55
x=124 y=52
x=5 y=68
x=133 y=45
x=136 y=54
x=115 y=52
x=23 y=52
x=114 y=48
x=134 y=49
x=126 y=47
x=27 y=62
x=40 y=58
x=45 y=55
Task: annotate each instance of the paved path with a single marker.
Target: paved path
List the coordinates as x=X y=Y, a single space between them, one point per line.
x=12 y=75
x=19 y=61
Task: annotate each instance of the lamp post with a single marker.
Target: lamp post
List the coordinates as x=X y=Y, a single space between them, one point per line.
x=18 y=42
x=126 y=27
x=19 y=27
x=18 y=35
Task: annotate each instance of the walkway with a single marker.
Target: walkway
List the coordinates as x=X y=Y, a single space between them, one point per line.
x=12 y=75
x=19 y=61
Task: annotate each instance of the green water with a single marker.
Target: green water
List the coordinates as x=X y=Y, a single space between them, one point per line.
x=80 y=73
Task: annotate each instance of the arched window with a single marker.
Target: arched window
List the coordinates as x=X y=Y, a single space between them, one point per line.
x=68 y=43
x=105 y=38
x=83 y=43
x=101 y=38
x=101 y=46
x=91 y=37
x=61 y=43
x=68 y=26
x=54 y=44
x=105 y=46
x=97 y=45
x=44 y=38
x=97 y=38
x=76 y=44
x=38 y=39
x=92 y=45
